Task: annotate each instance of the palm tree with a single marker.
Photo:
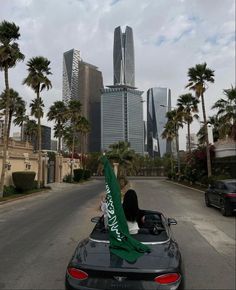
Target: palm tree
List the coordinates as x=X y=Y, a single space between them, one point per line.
x=73 y=115
x=227 y=111
x=9 y=56
x=16 y=106
x=20 y=119
x=171 y=129
x=122 y=154
x=199 y=76
x=30 y=130
x=187 y=105
x=56 y=113
x=84 y=128
x=36 y=111
x=37 y=79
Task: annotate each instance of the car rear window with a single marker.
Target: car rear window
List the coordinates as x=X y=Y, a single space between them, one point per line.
x=232 y=186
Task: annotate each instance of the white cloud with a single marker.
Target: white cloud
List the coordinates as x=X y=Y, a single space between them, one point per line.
x=170 y=36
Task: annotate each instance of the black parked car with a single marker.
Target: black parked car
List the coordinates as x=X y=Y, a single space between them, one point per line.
x=93 y=266
x=222 y=194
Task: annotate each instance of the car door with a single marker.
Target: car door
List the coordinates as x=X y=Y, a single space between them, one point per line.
x=220 y=192
x=214 y=193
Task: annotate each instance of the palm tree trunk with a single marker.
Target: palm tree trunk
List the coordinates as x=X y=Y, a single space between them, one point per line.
x=177 y=148
x=72 y=156
x=189 y=146
x=39 y=146
x=207 y=138
x=5 y=133
x=9 y=124
x=59 y=145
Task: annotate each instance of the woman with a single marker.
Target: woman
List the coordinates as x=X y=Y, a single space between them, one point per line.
x=131 y=210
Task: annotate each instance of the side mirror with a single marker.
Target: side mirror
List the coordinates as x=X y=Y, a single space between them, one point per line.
x=95 y=219
x=172 y=221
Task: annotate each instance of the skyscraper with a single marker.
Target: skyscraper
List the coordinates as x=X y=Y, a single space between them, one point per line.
x=70 y=86
x=122 y=117
x=121 y=104
x=83 y=81
x=123 y=57
x=158 y=103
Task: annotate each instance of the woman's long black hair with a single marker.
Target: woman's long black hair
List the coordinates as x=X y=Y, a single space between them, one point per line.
x=130 y=205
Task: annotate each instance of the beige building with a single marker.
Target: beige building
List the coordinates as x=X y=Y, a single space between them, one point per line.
x=21 y=157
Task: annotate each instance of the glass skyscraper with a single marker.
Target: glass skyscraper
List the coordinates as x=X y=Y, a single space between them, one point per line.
x=70 y=86
x=122 y=117
x=121 y=104
x=158 y=103
x=123 y=57
x=83 y=81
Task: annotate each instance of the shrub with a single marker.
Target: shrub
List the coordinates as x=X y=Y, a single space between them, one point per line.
x=67 y=178
x=23 y=180
x=9 y=190
x=87 y=174
x=78 y=174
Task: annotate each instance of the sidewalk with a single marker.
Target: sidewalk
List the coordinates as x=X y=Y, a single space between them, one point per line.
x=56 y=186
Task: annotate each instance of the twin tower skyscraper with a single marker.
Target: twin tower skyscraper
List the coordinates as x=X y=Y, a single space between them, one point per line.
x=116 y=112
x=123 y=57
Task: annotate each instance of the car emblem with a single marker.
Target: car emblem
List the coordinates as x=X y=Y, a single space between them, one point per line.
x=119 y=278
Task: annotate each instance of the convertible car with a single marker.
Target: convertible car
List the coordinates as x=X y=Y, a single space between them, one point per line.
x=93 y=266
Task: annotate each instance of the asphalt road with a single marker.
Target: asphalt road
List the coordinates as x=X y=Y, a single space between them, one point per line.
x=38 y=234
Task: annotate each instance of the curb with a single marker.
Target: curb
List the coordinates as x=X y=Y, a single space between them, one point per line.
x=185 y=186
x=24 y=196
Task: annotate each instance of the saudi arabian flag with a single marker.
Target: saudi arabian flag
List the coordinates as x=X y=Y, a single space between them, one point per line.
x=122 y=243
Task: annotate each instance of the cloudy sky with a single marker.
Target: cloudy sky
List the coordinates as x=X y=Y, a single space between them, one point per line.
x=169 y=37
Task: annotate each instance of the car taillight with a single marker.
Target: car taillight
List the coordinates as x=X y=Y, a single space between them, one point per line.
x=231 y=194
x=77 y=274
x=167 y=278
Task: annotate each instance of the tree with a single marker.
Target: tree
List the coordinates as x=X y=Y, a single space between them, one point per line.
x=56 y=113
x=20 y=119
x=16 y=106
x=37 y=79
x=199 y=76
x=83 y=128
x=171 y=129
x=9 y=56
x=188 y=106
x=218 y=130
x=30 y=130
x=227 y=112
x=73 y=116
x=122 y=154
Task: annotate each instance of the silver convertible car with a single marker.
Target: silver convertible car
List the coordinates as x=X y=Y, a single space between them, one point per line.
x=93 y=266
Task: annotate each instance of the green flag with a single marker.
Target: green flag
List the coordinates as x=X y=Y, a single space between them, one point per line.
x=122 y=243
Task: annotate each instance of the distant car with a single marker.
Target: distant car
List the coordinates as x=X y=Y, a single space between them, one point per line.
x=93 y=266
x=222 y=194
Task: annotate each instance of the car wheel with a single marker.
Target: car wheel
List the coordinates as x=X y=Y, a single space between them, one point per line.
x=224 y=208
x=207 y=201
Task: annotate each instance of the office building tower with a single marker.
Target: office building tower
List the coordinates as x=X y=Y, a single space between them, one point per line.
x=122 y=117
x=158 y=103
x=83 y=81
x=70 y=84
x=123 y=57
x=90 y=85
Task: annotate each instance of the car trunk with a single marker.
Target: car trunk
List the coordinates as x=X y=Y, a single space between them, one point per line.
x=109 y=271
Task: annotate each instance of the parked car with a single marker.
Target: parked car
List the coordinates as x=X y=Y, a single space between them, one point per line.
x=222 y=194
x=93 y=266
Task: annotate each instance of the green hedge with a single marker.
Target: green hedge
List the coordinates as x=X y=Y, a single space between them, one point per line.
x=81 y=174
x=23 y=180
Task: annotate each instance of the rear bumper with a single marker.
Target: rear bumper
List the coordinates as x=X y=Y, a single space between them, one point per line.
x=111 y=284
